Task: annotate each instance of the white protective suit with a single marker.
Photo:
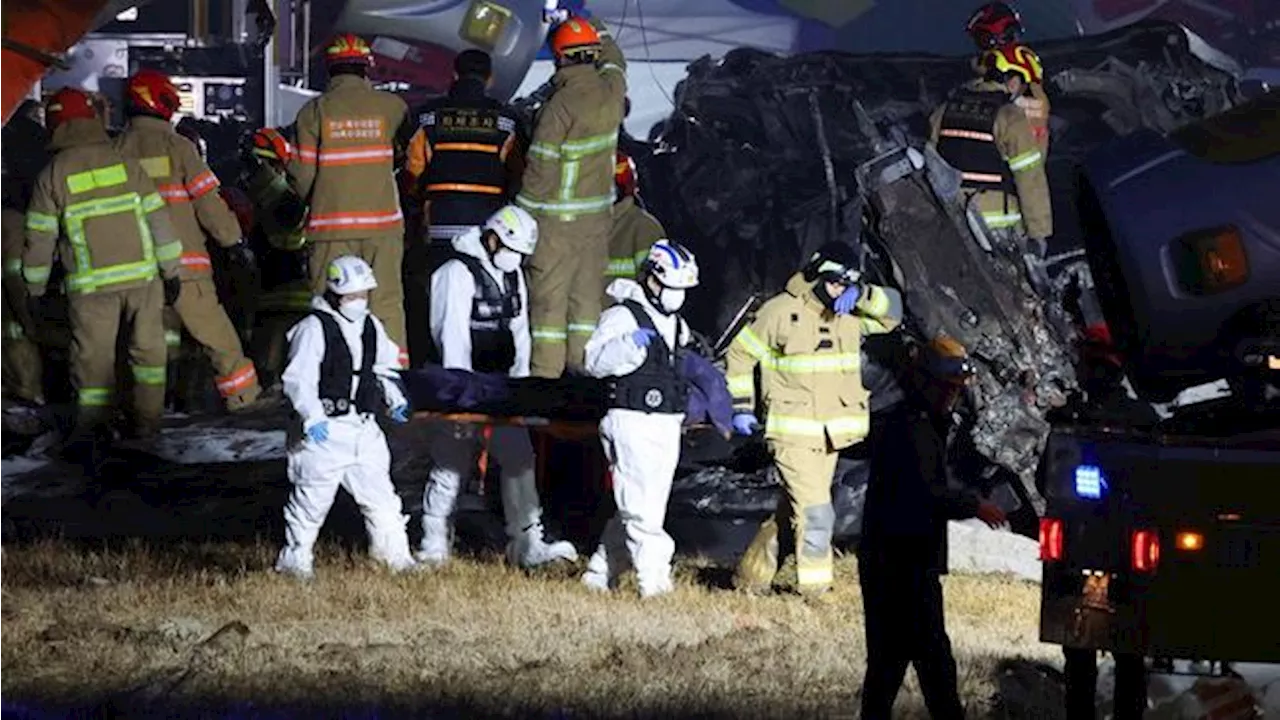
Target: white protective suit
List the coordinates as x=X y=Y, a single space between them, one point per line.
x=457 y=446
x=354 y=456
x=643 y=450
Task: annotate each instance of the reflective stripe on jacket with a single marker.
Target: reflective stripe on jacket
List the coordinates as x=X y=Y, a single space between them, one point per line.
x=575 y=136
x=634 y=233
x=810 y=365
x=188 y=187
x=100 y=214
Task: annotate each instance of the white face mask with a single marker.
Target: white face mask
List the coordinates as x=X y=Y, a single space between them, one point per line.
x=354 y=309
x=670 y=300
x=507 y=260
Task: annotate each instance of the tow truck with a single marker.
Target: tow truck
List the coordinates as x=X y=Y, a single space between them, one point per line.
x=1161 y=538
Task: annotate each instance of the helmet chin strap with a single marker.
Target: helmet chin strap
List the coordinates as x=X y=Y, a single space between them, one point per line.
x=655 y=298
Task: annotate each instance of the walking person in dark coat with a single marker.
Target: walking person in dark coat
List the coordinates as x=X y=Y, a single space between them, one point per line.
x=903 y=549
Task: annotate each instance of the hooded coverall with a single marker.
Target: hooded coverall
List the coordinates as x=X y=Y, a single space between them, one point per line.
x=498 y=344
x=643 y=448
x=568 y=187
x=984 y=135
x=355 y=455
x=100 y=214
x=634 y=232
x=190 y=190
x=349 y=141
x=810 y=363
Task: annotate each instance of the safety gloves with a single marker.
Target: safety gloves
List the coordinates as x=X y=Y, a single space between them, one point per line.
x=745 y=423
x=400 y=414
x=319 y=432
x=844 y=304
x=643 y=336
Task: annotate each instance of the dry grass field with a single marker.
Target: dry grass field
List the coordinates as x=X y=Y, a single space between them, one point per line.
x=140 y=630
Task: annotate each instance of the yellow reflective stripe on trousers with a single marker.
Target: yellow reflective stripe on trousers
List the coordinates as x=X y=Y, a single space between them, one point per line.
x=13 y=266
x=549 y=334
x=568 y=209
x=581 y=328
x=149 y=374
x=808 y=427
x=999 y=221
x=94 y=396
x=13 y=330
x=39 y=222
x=1024 y=161
x=741 y=385
x=172 y=338
x=37 y=274
x=97 y=178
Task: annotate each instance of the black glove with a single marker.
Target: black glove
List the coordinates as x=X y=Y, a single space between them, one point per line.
x=172 y=289
x=241 y=254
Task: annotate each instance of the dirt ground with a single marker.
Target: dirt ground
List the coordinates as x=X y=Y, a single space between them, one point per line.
x=139 y=630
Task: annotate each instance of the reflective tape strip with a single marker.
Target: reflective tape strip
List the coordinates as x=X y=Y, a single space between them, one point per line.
x=172 y=338
x=741 y=385
x=790 y=425
x=621 y=267
x=578 y=149
x=97 y=178
x=1025 y=161
x=363 y=220
x=238 y=381
x=157 y=166
x=611 y=67
x=569 y=208
x=13 y=266
x=967 y=134
x=88 y=278
x=173 y=192
x=36 y=274
x=149 y=374
x=307 y=154
x=581 y=328
x=201 y=184
x=464 y=187
x=544 y=150
x=811 y=364
x=152 y=202
x=363 y=156
x=13 y=330
x=754 y=346
x=196 y=261
x=127 y=272
x=169 y=251
x=468 y=147
x=549 y=334
x=876 y=302
x=857 y=425
x=568 y=179
x=39 y=222
x=94 y=397
x=997 y=221
x=981 y=177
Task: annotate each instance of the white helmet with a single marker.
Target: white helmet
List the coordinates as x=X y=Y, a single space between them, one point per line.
x=672 y=265
x=350 y=274
x=515 y=228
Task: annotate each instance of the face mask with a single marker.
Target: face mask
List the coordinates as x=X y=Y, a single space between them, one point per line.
x=670 y=300
x=507 y=260
x=354 y=310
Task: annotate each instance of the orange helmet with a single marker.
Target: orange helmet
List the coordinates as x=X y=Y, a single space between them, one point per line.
x=153 y=93
x=268 y=143
x=1015 y=58
x=574 y=36
x=69 y=104
x=348 y=49
x=624 y=175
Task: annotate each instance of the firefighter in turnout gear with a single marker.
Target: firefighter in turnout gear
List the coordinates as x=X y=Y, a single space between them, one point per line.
x=997 y=27
x=101 y=216
x=568 y=187
x=480 y=323
x=349 y=141
x=24 y=157
x=634 y=229
x=341 y=376
x=190 y=190
x=279 y=240
x=806 y=343
x=464 y=164
x=638 y=345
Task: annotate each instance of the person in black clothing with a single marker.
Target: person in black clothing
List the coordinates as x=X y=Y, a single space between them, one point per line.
x=903 y=549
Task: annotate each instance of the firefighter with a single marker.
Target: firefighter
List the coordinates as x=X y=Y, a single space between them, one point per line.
x=568 y=186
x=464 y=164
x=981 y=133
x=349 y=141
x=903 y=546
x=480 y=323
x=997 y=26
x=806 y=343
x=634 y=229
x=100 y=214
x=24 y=156
x=189 y=188
x=280 y=243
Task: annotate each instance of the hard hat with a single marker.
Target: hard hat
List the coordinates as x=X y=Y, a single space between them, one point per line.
x=349 y=274
x=834 y=262
x=574 y=36
x=69 y=104
x=1015 y=58
x=153 y=93
x=270 y=144
x=947 y=360
x=672 y=265
x=348 y=49
x=515 y=227
x=994 y=25
x=624 y=175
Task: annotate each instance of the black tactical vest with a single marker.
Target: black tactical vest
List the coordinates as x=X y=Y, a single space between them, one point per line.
x=656 y=386
x=337 y=368
x=966 y=140
x=493 y=347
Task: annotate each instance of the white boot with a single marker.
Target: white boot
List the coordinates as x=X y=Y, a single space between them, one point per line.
x=655 y=588
x=529 y=549
x=437 y=536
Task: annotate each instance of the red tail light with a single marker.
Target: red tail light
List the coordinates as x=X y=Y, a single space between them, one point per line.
x=1144 y=551
x=1051 y=539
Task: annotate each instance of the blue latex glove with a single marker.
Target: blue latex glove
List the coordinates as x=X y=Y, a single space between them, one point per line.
x=643 y=336
x=745 y=423
x=844 y=304
x=319 y=432
x=400 y=414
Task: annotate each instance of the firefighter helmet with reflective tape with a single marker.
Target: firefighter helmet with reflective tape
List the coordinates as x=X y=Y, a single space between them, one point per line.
x=516 y=229
x=672 y=265
x=349 y=274
x=269 y=143
x=994 y=25
x=834 y=262
x=624 y=175
x=1016 y=58
x=573 y=37
x=69 y=104
x=348 y=49
x=153 y=93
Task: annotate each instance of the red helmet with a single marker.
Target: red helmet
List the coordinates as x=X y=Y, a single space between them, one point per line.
x=1016 y=58
x=348 y=49
x=994 y=25
x=270 y=144
x=152 y=92
x=624 y=175
x=573 y=36
x=69 y=104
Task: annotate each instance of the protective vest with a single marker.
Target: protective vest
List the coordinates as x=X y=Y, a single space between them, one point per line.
x=966 y=140
x=493 y=347
x=337 y=368
x=657 y=385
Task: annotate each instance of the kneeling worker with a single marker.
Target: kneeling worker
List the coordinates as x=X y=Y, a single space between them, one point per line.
x=341 y=374
x=480 y=323
x=637 y=342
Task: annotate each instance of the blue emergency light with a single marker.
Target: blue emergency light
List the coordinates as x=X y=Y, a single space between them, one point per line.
x=1090 y=482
